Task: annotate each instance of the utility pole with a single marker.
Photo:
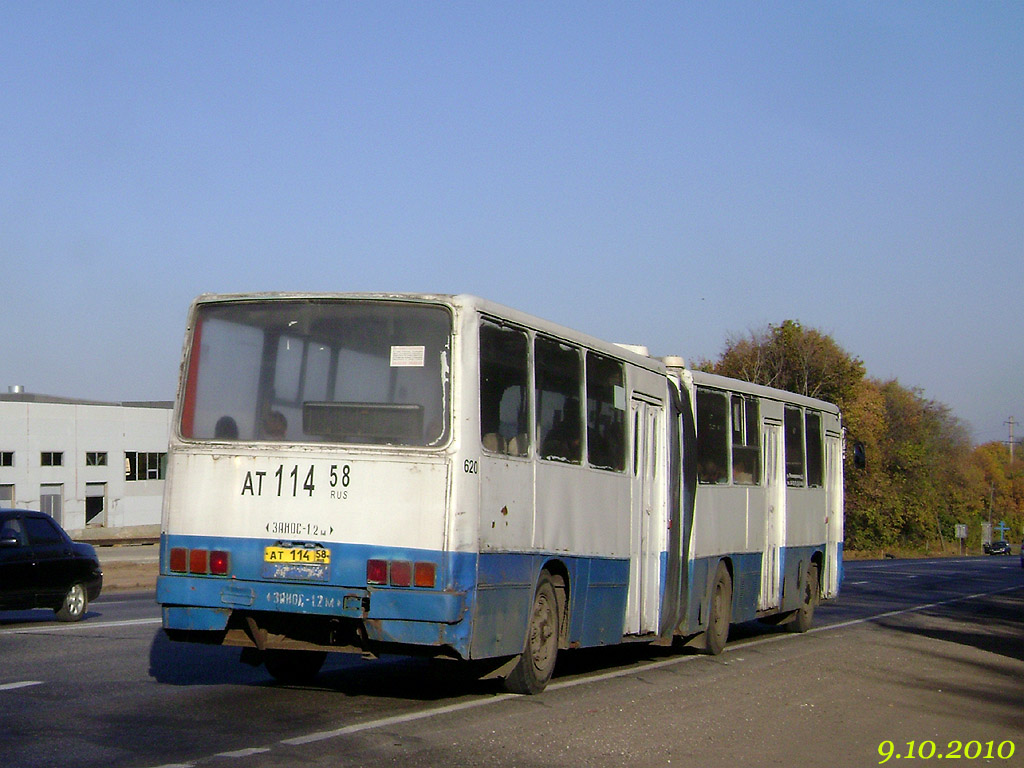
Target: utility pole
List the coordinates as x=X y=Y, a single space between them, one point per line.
x=1011 y=423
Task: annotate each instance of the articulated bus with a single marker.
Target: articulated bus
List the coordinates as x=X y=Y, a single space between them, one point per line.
x=441 y=475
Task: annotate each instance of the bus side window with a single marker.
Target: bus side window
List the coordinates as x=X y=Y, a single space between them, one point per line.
x=558 y=386
x=504 y=390
x=746 y=441
x=712 y=437
x=794 y=425
x=815 y=450
x=606 y=413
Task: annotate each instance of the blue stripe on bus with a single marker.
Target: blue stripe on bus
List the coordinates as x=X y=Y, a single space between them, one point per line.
x=746 y=576
x=491 y=624
x=480 y=607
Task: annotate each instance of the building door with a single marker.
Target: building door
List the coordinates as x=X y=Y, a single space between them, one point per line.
x=51 y=501
x=775 y=517
x=96 y=504
x=646 y=514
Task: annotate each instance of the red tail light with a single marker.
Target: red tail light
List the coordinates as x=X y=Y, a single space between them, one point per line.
x=198 y=561
x=401 y=573
x=179 y=559
x=182 y=560
x=219 y=562
x=426 y=574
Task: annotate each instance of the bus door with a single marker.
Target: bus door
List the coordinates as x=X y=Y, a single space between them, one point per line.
x=647 y=503
x=834 y=513
x=775 y=516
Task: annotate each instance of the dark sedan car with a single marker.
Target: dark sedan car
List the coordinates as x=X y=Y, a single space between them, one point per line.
x=998 y=548
x=41 y=567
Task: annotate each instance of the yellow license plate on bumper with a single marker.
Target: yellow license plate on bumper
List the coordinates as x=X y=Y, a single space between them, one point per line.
x=307 y=555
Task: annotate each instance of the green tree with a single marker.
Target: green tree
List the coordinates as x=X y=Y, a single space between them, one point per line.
x=794 y=358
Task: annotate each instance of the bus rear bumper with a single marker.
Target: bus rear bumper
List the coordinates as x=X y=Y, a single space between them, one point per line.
x=374 y=616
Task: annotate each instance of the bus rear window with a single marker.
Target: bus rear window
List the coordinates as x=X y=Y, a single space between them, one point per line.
x=346 y=371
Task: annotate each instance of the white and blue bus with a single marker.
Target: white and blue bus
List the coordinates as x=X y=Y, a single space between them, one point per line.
x=411 y=473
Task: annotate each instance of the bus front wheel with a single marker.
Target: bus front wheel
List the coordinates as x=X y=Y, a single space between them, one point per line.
x=537 y=663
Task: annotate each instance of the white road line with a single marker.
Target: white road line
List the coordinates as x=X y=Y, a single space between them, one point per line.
x=77 y=626
x=22 y=684
x=397 y=719
x=912 y=609
x=244 y=752
x=476 y=703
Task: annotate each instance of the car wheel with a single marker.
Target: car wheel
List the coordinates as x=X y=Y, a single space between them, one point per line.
x=74 y=605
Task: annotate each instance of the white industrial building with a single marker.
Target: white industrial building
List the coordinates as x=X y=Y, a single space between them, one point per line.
x=97 y=468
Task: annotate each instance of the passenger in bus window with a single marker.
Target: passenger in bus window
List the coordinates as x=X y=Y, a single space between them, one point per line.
x=565 y=439
x=226 y=429
x=275 y=426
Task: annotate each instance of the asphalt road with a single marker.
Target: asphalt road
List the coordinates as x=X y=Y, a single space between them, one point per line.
x=929 y=651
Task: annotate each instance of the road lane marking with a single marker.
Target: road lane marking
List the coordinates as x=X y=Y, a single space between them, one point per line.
x=912 y=609
x=244 y=752
x=611 y=675
x=398 y=719
x=22 y=684
x=77 y=626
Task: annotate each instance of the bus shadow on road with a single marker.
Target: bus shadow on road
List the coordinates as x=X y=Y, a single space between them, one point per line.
x=402 y=677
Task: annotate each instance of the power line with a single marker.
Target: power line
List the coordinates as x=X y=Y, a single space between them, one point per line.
x=1010 y=422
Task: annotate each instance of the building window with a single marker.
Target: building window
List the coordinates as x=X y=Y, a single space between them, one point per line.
x=51 y=500
x=7 y=495
x=6 y=458
x=51 y=459
x=145 y=466
x=96 y=458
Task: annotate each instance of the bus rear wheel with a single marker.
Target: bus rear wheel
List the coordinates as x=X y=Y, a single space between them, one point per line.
x=537 y=663
x=721 y=612
x=294 y=667
x=805 y=613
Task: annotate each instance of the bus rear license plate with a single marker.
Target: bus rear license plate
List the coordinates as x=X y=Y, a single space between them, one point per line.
x=297 y=555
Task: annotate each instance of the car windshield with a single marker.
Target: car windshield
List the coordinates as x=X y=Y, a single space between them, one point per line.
x=337 y=371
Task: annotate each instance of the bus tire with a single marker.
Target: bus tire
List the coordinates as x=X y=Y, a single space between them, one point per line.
x=804 y=616
x=537 y=662
x=294 y=667
x=720 y=612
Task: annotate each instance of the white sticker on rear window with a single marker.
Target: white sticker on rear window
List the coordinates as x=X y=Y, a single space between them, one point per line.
x=407 y=357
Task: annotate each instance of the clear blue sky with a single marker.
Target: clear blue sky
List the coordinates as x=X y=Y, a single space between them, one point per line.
x=658 y=173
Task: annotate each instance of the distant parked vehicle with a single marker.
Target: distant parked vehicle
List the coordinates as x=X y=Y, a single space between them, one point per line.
x=41 y=567
x=998 y=548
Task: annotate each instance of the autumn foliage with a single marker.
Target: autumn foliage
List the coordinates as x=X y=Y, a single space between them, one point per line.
x=923 y=475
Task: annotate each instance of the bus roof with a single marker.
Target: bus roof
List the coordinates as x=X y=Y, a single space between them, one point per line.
x=701 y=378
x=459 y=301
